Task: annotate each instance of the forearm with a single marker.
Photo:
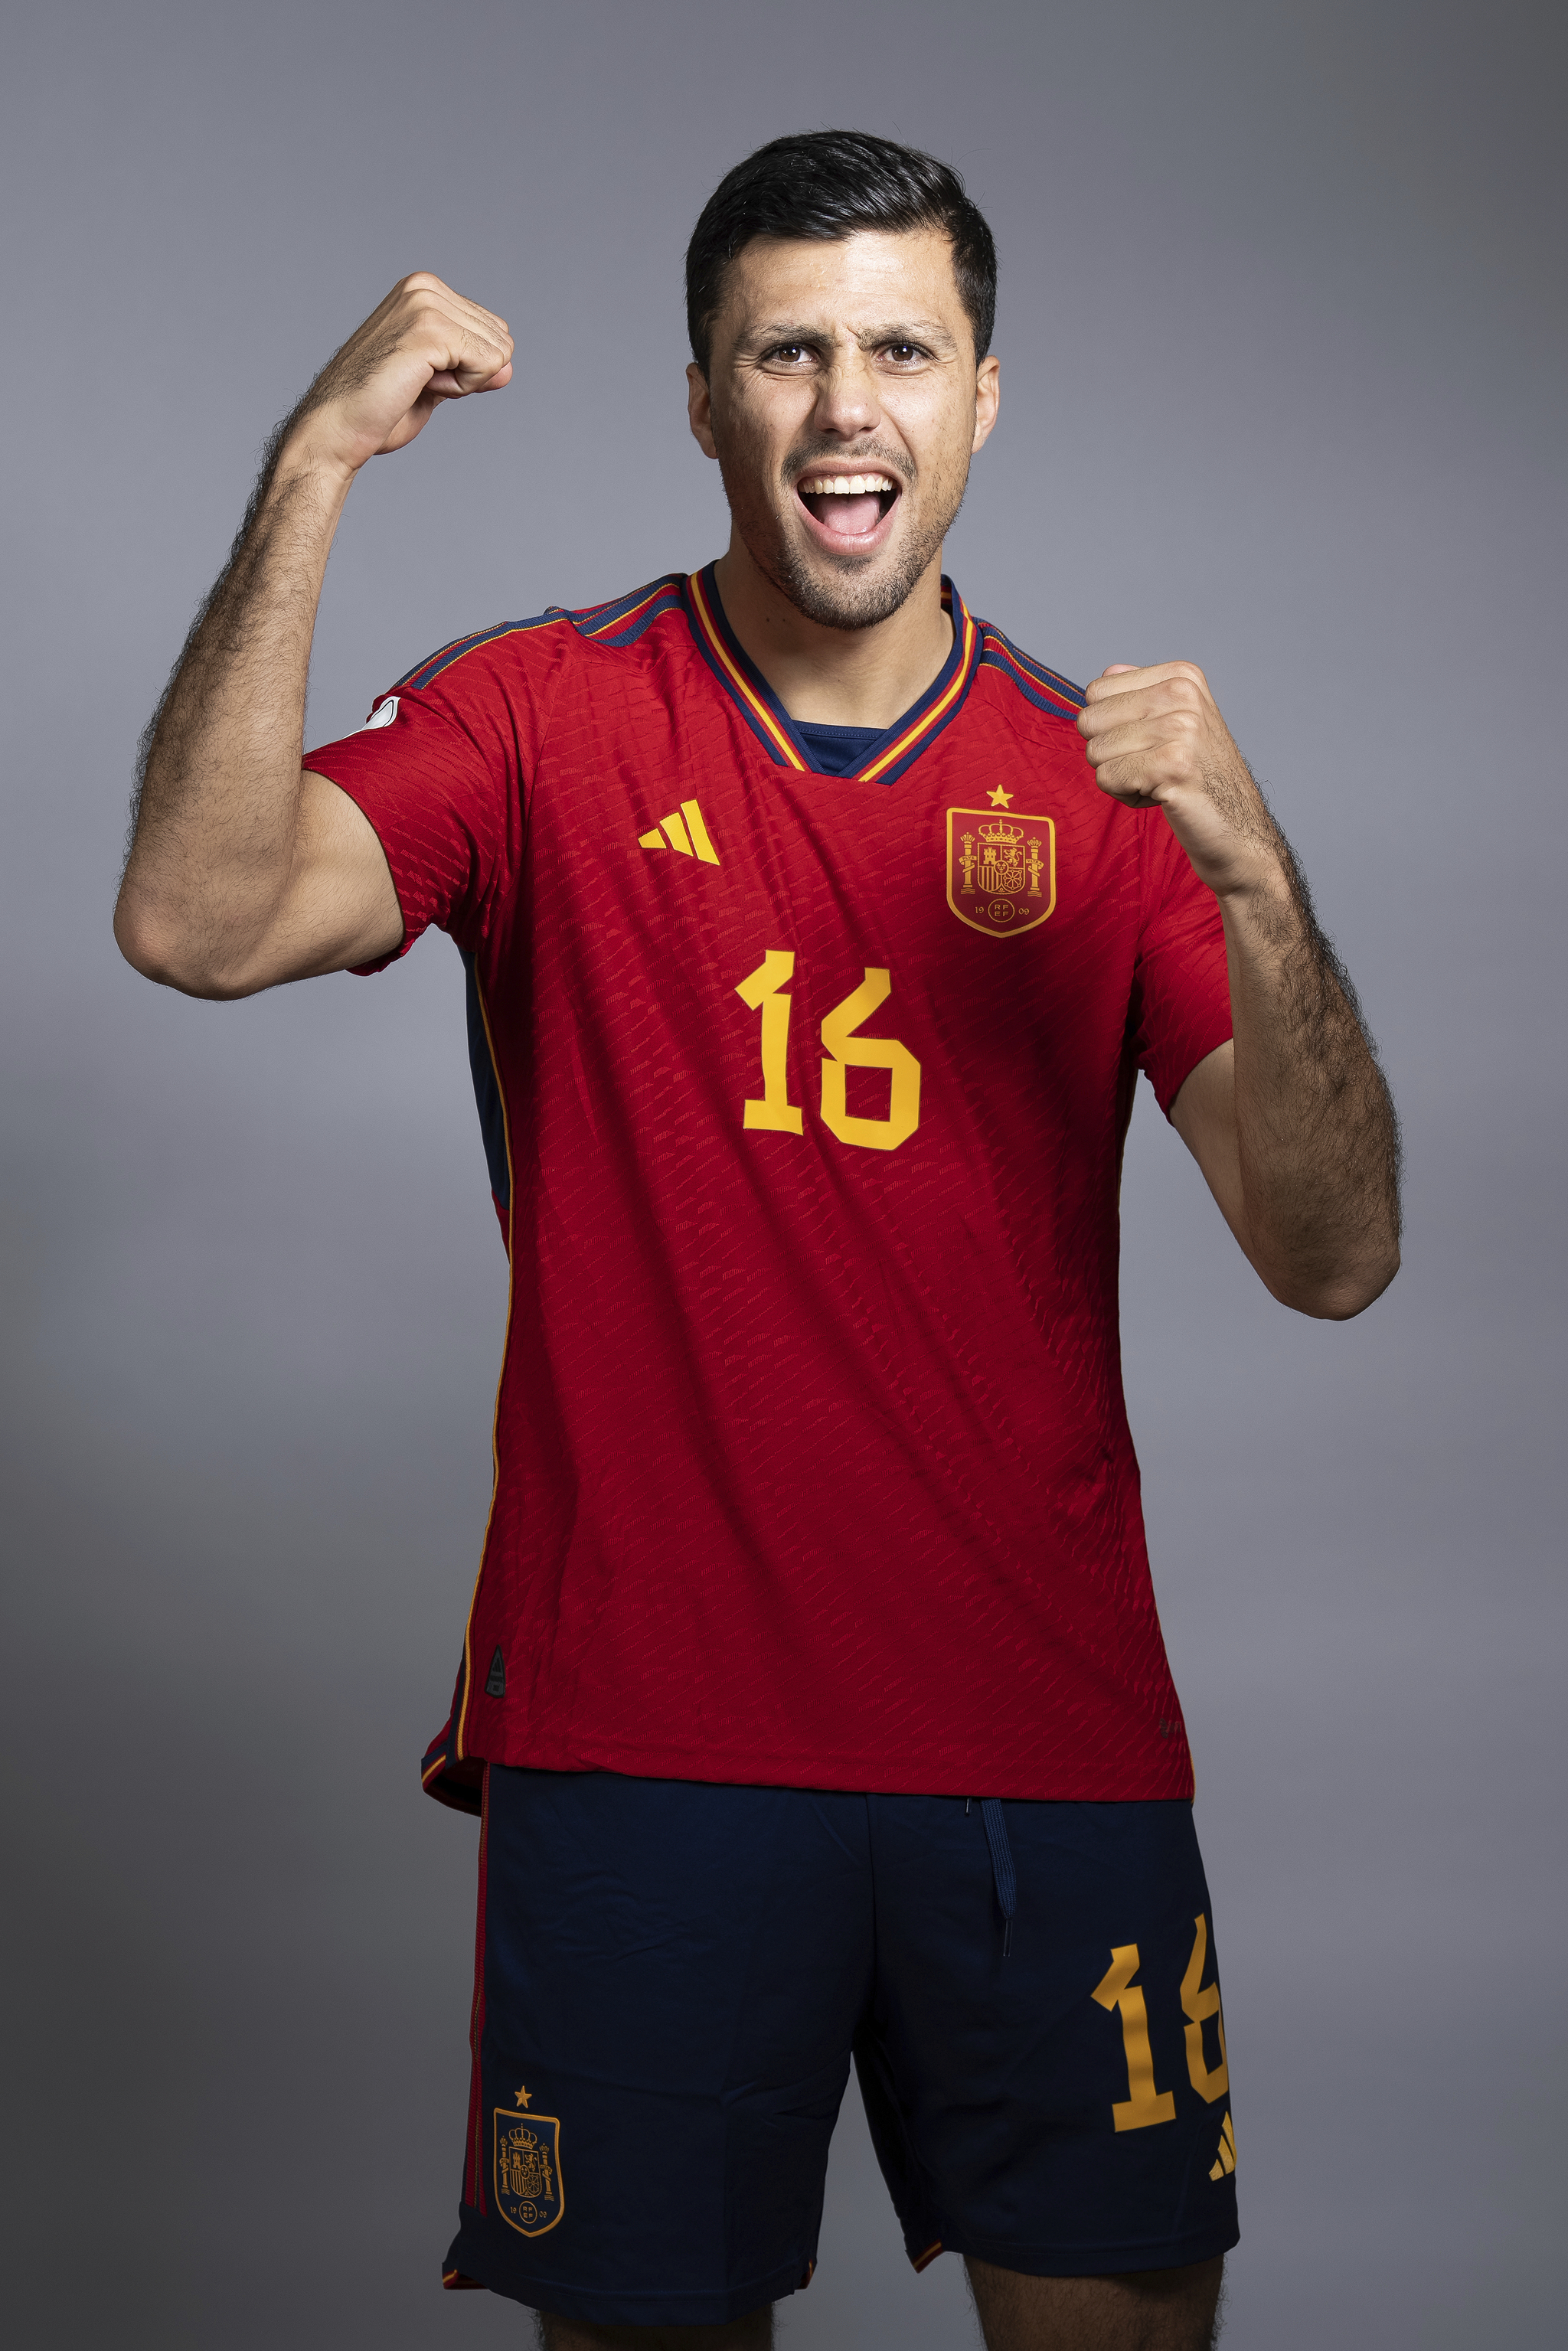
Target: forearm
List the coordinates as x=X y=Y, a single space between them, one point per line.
x=243 y=872
x=218 y=811
x=1291 y=1123
x=1316 y=1141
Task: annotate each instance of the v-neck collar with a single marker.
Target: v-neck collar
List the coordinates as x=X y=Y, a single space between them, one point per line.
x=887 y=758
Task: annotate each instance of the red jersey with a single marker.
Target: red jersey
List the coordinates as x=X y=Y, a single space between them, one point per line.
x=812 y=1465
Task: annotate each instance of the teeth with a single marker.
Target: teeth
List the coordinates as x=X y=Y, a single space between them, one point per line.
x=845 y=485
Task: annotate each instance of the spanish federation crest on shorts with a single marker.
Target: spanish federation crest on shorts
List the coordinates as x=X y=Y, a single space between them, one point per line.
x=530 y=2193
x=1001 y=869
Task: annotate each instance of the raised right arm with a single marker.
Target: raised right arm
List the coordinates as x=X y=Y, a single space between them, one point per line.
x=244 y=869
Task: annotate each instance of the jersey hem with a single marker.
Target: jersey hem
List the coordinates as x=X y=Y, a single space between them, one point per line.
x=411 y=934
x=843 y=1774
x=1168 y=1105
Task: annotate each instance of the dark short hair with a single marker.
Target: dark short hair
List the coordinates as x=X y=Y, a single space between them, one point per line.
x=826 y=184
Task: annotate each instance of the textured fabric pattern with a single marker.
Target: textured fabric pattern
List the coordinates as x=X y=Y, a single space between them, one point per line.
x=812 y=1464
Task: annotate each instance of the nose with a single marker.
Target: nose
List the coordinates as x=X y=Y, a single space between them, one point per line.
x=847 y=399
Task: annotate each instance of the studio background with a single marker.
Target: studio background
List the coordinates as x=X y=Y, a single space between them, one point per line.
x=1281 y=327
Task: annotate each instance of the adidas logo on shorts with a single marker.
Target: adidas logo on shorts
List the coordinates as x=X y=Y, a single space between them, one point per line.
x=1226 y=2159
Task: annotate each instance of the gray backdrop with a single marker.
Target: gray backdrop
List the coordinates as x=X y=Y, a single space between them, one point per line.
x=1281 y=334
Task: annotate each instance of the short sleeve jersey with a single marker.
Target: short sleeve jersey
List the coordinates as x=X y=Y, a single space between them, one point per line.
x=809 y=1095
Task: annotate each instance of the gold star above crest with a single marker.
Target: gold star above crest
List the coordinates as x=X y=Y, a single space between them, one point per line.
x=524 y=2094
x=999 y=799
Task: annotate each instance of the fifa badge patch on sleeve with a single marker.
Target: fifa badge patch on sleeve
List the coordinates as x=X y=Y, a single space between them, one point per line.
x=529 y=2193
x=1002 y=869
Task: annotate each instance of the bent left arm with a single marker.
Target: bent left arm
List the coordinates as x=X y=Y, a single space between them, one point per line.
x=1291 y=1121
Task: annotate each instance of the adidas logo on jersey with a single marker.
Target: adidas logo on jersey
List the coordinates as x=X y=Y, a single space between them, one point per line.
x=1226 y=2159
x=684 y=831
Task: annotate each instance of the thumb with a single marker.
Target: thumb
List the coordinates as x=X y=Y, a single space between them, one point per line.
x=1118 y=669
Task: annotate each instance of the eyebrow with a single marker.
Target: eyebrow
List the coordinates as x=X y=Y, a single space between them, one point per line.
x=907 y=330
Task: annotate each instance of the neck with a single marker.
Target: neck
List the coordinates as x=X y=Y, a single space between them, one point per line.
x=837 y=677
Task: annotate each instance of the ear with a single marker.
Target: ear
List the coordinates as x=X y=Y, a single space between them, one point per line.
x=699 y=409
x=987 y=399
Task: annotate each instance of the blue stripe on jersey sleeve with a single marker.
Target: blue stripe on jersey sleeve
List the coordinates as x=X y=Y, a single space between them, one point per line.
x=417 y=679
x=1037 y=684
x=620 y=622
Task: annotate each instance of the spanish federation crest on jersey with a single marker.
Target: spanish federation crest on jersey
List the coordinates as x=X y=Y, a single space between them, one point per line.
x=1001 y=869
x=529 y=2193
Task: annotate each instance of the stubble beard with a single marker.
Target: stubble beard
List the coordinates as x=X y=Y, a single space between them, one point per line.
x=855 y=591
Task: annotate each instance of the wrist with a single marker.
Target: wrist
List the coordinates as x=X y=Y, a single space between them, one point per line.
x=1257 y=876
x=308 y=459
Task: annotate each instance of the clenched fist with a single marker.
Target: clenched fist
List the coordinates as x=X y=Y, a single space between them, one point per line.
x=1156 y=739
x=423 y=345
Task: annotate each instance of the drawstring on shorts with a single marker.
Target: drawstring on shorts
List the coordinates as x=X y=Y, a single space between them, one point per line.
x=1003 y=1874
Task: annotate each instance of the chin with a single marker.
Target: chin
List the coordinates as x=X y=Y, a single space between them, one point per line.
x=849 y=591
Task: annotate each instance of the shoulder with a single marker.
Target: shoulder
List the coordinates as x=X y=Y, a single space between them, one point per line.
x=545 y=641
x=1019 y=680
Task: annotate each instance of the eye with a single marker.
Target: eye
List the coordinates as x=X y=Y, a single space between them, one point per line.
x=790 y=355
x=904 y=354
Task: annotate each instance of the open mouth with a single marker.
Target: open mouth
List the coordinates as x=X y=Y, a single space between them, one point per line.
x=848 y=510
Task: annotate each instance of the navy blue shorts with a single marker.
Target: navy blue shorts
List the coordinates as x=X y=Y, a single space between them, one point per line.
x=672 y=1978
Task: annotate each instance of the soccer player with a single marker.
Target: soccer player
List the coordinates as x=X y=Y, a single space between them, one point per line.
x=812 y=1695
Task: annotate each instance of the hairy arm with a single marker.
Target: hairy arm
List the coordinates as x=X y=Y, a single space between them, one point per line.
x=1291 y=1121
x=245 y=869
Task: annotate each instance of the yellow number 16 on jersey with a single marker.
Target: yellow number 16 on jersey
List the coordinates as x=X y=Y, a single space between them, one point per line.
x=776 y=1114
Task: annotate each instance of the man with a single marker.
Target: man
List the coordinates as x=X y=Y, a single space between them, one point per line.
x=813 y=1691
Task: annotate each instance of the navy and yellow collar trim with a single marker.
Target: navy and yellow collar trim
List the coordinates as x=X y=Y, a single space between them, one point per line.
x=890 y=755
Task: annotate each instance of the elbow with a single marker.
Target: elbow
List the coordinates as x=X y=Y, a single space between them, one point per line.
x=169 y=957
x=1341 y=1295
